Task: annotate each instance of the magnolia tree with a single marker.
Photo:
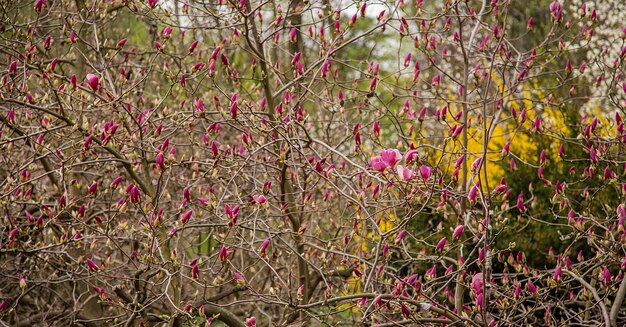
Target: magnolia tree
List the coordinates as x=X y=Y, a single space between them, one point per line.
x=265 y=163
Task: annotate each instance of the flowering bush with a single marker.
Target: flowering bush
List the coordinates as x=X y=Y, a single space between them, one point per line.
x=310 y=163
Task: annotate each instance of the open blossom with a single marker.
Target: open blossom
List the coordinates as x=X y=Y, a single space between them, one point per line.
x=387 y=158
x=405 y=173
x=378 y=164
x=259 y=199
x=425 y=172
x=391 y=156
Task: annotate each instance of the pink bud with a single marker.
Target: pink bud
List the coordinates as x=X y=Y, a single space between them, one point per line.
x=592 y=155
x=250 y=322
x=473 y=193
x=476 y=164
x=39 y=5
x=116 y=182
x=558 y=271
x=458 y=231
x=193 y=45
x=185 y=217
x=160 y=160
x=224 y=253
x=606 y=274
x=13 y=68
x=520 y=203
x=376 y=128
x=264 y=246
x=166 y=32
x=240 y=280
x=293 y=34
x=373 y=84
x=296 y=58
x=92 y=265
x=93 y=81
x=400 y=236
x=441 y=244
x=93 y=188
x=195 y=271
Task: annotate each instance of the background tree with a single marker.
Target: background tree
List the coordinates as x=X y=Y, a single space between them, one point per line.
x=311 y=163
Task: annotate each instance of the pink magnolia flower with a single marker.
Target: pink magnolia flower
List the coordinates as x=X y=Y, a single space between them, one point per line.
x=531 y=287
x=431 y=273
x=166 y=32
x=193 y=45
x=224 y=253
x=250 y=322
x=293 y=34
x=400 y=236
x=606 y=275
x=411 y=156
x=92 y=265
x=558 y=272
x=441 y=244
x=391 y=156
x=93 y=81
x=195 y=271
x=378 y=164
x=264 y=246
x=93 y=188
x=239 y=279
x=376 y=128
x=186 y=216
x=135 y=194
x=259 y=199
x=13 y=68
x=458 y=231
x=116 y=182
x=425 y=172
x=520 y=203
x=476 y=164
x=160 y=160
x=39 y=5
x=405 y=173
x=473 y=193
x=477 y=283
